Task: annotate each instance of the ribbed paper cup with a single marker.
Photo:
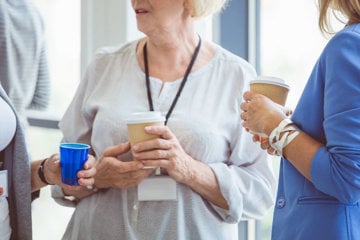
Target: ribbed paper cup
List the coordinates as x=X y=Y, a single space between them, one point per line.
x=136 y=123
x=272 y=87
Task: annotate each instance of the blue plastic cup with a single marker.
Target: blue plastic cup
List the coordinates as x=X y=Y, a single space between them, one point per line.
x=72 y=159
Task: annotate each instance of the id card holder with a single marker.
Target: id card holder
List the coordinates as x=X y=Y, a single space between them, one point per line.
x=157 y=188
x=4 y=183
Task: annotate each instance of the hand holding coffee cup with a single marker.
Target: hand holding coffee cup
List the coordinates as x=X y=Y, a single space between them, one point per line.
x=136 y=123
x=274 y=88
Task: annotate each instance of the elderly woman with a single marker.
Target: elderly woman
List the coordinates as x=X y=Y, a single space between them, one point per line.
x=221 y=176
x=319 y=184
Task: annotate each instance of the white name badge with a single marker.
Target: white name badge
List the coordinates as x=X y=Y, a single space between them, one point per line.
x=4 y=183
x=157 y=188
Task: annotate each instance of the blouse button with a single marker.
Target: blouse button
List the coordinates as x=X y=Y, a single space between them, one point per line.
x=280 y=203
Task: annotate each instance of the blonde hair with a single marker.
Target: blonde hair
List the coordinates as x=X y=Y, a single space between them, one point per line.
x=350 y=9
x=204 y=8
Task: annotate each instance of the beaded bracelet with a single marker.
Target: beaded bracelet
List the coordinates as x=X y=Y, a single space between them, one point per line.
x=282 y=135
x=41 y=172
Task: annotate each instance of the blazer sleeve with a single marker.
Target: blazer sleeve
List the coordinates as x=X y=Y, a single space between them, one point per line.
x=335 y=168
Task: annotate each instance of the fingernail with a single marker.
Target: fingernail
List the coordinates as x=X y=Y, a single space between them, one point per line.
x=147 y=128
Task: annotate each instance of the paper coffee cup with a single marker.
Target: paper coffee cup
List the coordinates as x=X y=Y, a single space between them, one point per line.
x=136 y=123
x=272 y=87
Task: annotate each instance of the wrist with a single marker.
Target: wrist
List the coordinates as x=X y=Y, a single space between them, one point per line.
x=41 y=172
x=282 y=135
x=274 y=124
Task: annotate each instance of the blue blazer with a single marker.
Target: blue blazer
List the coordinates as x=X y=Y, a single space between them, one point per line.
x=328 y=207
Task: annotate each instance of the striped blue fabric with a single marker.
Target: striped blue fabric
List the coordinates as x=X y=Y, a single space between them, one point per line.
x=23 y=62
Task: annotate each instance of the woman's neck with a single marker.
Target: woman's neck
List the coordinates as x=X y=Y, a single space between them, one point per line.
x=168 y=57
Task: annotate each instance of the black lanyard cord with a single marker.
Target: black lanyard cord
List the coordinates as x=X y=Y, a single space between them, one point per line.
x=147 y=78
x=187 y=73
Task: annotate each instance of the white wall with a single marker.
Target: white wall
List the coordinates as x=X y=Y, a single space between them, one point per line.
x=102 y=23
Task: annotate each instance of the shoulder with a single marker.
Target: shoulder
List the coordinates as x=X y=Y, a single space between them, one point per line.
x=104 y=57
x=232 y=59
x=227 y=70
x=345 y=43
x=116 y=51
x=339 y=63
x=352 y=31
x=232 y=63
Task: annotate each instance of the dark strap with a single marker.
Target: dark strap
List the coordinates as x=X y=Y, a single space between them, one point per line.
x=187 y=73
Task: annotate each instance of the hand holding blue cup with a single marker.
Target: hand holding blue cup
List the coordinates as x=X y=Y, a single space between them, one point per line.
x=72 y=159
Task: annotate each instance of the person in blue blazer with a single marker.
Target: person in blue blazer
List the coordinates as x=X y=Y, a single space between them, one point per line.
x=319 y=184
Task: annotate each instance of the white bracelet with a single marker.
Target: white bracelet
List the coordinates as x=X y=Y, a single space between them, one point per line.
x=275 y=133
x=282 y=135
x=291 y=136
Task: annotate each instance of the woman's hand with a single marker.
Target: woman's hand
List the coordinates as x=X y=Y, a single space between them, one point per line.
x=112 y=172
x=52 y=172
x=260 y=114
x=265 y=145
x=165 y=152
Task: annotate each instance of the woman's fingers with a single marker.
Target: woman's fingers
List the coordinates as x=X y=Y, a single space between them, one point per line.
x=162 y=131
x=86 y=181
x=117 y=150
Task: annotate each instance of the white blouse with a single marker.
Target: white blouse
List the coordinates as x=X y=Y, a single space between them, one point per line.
x=7 y=131
x=206 y=121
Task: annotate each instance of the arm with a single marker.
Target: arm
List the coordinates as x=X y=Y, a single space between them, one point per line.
x=335 y=168
x=231 y=189
x=52 y=174
x=36 y=182
x=179 y=165
x=262 y=115
x=203 y=180
x=112 y=172
x=328 y=155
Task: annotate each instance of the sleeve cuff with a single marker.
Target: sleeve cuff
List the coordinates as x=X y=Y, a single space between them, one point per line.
x=230 y=193
x=59 y=197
